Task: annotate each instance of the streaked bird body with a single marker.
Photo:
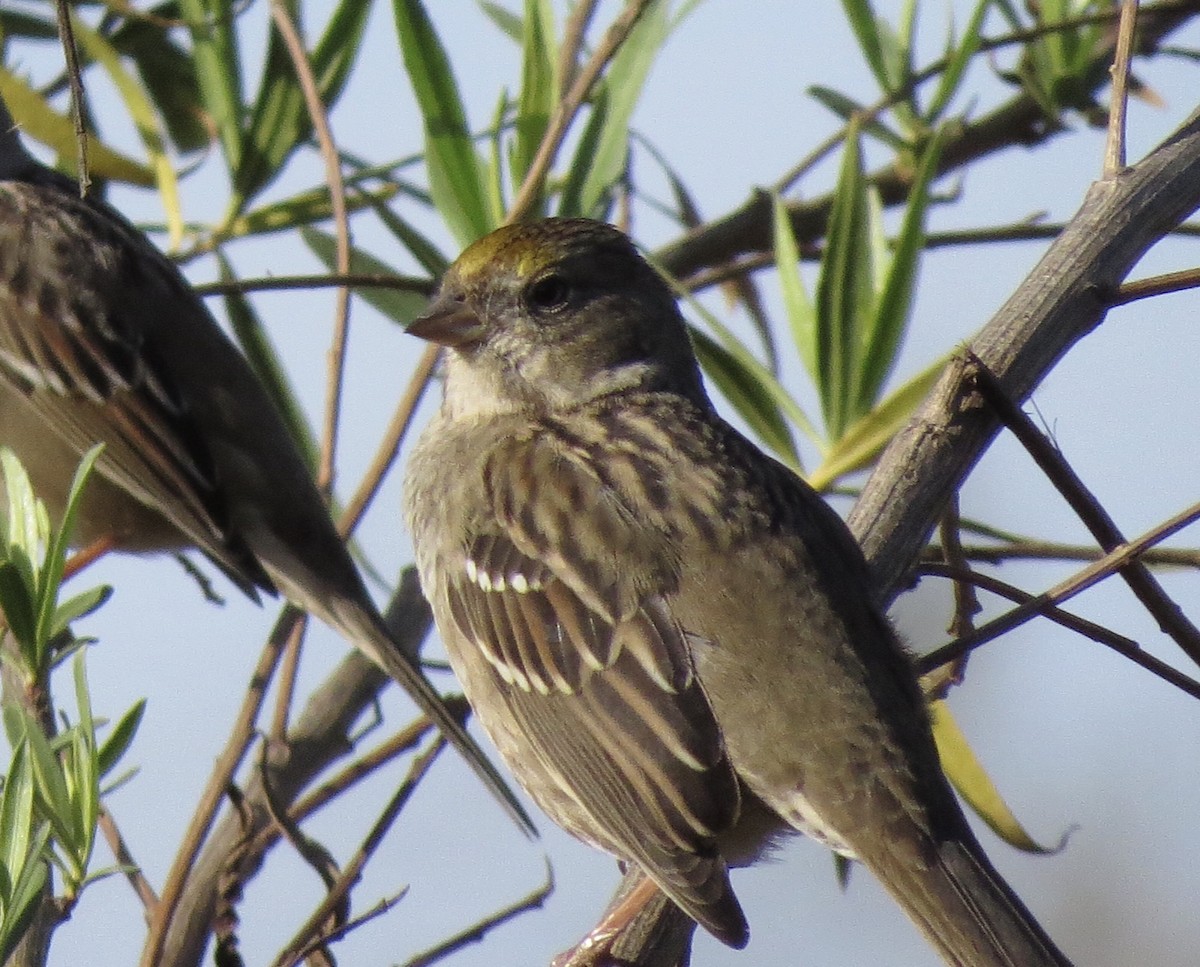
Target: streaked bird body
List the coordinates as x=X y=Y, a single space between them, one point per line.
x=102 y=340
x=668 y=635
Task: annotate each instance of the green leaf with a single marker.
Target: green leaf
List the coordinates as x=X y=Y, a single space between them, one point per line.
x=56 y=555
x=800 y=311
x=866 y=437
x=749 y=393
x=850 y=110
x=957 y=59
x=844 y=291
x=603 y=151
x=508 y=22
x=889 y=320
x=24 y=870
x=866 y=31
x=304 y=208
x=280 y=122
x=400 y=305
x=117 y=744
x=169 y=76
x=85 y=772
x=213 y=26
x=40 y=121
x=456 y=175
x=78 y=606
x=16 y=812
x=539 y=85
x=53 y=797
x=974 y=784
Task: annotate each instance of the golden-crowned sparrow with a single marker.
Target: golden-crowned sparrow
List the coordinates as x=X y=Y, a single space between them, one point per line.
x=102 y=340
x=667 y=634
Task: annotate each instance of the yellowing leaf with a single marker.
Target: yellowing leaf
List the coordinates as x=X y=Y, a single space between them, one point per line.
x=974 y=784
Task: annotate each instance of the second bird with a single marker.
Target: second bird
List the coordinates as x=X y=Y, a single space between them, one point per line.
x=667 y=634
x=102 y=340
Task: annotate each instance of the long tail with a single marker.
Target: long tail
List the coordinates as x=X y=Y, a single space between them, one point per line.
x=368 y=634
x=966 y=910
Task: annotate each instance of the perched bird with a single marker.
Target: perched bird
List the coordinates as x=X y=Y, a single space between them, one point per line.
x=667 y=634
x=102 y=340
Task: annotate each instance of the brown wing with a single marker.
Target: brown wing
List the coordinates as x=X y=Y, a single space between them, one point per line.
x=75 y=285
x=570 y=605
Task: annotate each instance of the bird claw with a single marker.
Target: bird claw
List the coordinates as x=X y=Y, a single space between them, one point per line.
x=592 y=951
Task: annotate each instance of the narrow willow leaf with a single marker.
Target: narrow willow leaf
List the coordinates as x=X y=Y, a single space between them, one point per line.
x=25 y=870
x=113 y=749
x=493 y=176
x=799 y=308
x=255 y=343
x=889 y=321
x=53 y=797
x=78 y=606
x=539 y=85
x=456 y=176
x=16 y=811
x=56 y=556
x=507 y=21
x=849 y=110
x=418 y=245
x=974 y=784
x=592 y=175
x=169 y=75
x=957 y=58
x=36 y=118
x=86 y=771
x=844 y=291
x=215 y=45
x=304 y=209
x=748 y=394
x=866 y=31
x=401 y=305
x=865 y=439
x=280 y=121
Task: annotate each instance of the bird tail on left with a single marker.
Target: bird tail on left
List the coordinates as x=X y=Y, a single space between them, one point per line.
x=366 y=630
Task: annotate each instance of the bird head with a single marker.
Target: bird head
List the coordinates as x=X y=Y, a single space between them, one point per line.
x=551 y=315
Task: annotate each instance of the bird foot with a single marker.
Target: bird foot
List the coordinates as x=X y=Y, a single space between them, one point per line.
x=594 y=950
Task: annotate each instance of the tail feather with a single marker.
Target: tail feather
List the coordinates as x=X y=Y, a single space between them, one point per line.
x=966 y=910
x=366 y=631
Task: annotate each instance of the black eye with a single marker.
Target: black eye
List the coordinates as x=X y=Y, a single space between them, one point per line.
x=550 y=293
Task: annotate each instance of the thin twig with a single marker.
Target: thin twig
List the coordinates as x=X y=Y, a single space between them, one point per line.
x=1123 y=646
x=966 y=604
x=1114 y=149
x=1111 y=562
x=227 y=763
x=1156 y=285
x=121 y=852
x=1034 y=550
x=476 y=932
x=337 y=195
x=289 y=668
x=353 y=280
x=310 y=935
x=1088 y=509
x=347 y=778
x=66 y=35
x=572 y=42
x=579 y=91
